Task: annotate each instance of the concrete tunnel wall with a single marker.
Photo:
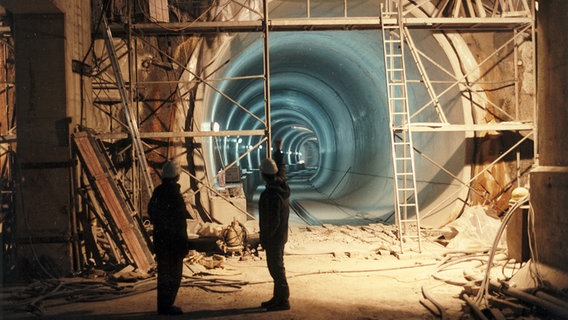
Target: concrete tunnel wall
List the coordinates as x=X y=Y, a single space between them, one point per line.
x=328 y=90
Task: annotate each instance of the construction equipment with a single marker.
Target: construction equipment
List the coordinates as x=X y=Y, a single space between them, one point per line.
x=406 y=198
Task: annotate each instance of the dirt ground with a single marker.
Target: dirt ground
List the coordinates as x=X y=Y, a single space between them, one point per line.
x=333 y=273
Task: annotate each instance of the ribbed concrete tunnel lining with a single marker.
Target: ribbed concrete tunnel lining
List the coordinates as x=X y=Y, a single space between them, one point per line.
x=328 y=89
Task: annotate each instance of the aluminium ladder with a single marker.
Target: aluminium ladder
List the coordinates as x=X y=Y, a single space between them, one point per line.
x=129 y=115
x=406 y=199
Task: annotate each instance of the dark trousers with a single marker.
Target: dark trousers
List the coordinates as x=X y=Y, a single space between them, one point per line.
x=170 y=267
x=275 y=263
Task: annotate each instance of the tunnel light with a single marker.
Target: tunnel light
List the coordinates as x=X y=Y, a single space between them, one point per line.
x=239 y=140
x=302 y=129
x=215 y=126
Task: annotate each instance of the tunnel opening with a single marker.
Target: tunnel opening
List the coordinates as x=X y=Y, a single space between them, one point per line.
x=328 y=105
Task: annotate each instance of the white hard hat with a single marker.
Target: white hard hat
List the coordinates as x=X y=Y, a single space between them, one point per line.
x=170 y=170
x=268 y=166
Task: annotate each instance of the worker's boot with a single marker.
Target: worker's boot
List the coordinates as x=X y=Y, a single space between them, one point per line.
x=280 y=300
x=268 y=303
x=279 y=304
x=171 y=311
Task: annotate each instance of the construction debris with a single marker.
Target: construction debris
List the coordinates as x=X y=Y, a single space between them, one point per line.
x=118 y=216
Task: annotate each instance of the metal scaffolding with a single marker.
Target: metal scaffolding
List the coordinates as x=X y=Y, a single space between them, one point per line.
x=515 y=17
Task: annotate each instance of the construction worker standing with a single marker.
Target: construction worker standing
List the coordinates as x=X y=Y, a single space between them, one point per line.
x=274 y=210
x=168 y=213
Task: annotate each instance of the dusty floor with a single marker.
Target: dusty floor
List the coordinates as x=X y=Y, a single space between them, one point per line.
x=334 y=273
x=322 y=287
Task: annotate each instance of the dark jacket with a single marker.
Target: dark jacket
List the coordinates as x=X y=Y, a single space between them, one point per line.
x=274 y=211
x=168 y=213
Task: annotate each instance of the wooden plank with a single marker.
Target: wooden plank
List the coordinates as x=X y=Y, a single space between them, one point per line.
x=110 y=233
x=104 y=184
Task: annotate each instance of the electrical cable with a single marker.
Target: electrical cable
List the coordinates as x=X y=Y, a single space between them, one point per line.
x=347 y=272
x=442 y=312
x=483 y=292
x=534 y=266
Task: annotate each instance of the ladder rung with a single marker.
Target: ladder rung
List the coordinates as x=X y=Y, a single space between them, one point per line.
x=409 y=236
x=407 y=204
x=405 y=189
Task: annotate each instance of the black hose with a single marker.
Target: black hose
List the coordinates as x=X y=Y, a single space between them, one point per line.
x=441 y=310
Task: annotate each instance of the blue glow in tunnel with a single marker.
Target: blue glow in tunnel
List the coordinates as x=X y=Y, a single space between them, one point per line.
x=329 y=106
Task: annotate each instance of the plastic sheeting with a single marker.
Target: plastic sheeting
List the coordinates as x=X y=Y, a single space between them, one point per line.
x=476 y=229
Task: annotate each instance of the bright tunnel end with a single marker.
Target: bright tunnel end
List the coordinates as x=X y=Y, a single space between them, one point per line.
x=329 y=107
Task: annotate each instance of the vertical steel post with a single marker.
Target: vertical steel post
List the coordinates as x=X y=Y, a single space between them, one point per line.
x=267 y=82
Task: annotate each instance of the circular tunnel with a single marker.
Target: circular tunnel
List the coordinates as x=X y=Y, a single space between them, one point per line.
x=329 y=106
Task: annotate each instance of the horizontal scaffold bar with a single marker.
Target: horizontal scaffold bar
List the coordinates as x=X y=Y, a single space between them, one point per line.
x=319 y=24
x=501 y=126
x=186 y=134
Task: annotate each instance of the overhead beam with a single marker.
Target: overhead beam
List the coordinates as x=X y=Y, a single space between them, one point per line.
x=501 y=126
x=319 y=24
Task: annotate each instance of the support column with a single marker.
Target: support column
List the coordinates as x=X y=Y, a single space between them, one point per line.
x=549 y=181
x=49 y=35
x=43 y=155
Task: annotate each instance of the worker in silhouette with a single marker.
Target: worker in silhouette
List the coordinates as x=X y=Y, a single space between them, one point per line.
x=278 y=157
x=168 y=214
x=274 y=210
